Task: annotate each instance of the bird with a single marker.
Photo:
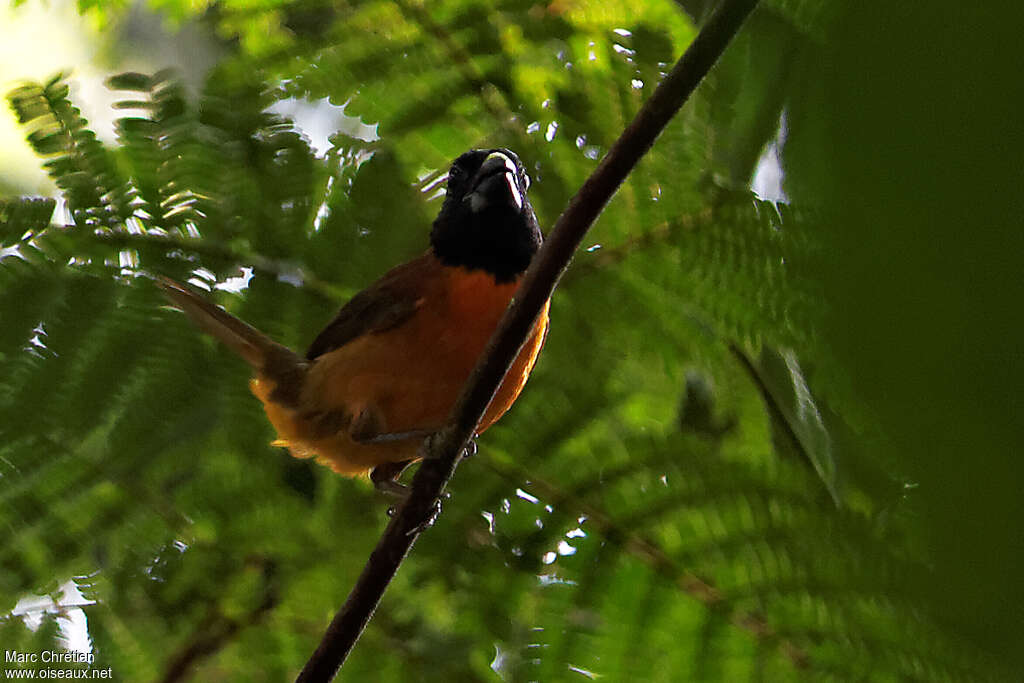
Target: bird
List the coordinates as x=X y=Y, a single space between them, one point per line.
x=386 y=371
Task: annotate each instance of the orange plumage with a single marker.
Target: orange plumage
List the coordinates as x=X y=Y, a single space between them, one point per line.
x=411 y=374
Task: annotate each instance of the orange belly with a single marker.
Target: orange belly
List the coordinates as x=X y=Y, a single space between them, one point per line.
x=409 y=376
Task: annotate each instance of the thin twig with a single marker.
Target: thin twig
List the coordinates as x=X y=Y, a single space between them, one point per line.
x=218 y=630
x=623 y=535
x=443 y=452
x=659 y=235
x=463 y=61
x=121 y=239
x=259 y=263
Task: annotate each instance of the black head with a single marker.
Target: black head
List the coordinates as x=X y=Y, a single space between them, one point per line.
x=487 y=222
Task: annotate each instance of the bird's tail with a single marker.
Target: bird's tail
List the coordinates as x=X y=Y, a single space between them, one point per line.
x=265 y=355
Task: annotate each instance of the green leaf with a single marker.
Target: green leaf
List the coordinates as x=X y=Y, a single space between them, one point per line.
x=636 y=515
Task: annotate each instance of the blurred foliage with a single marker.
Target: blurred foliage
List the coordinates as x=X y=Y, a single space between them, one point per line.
x=765 y=441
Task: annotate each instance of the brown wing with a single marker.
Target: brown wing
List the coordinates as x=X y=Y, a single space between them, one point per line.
x=385 y=304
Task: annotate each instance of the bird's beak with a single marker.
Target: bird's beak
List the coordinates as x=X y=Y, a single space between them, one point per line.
x=496 y=184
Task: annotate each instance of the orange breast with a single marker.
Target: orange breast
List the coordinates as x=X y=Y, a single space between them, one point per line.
x=409 y=376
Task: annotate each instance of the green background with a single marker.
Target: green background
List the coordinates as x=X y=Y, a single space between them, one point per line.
x=766 y=440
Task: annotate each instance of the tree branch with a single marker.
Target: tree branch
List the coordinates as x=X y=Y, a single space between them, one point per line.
x=443 y=452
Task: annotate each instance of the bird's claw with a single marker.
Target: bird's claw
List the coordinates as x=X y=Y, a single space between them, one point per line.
x=429 y=447
x=435 y=512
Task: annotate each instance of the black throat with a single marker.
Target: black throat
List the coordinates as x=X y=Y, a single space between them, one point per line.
x=486 y=221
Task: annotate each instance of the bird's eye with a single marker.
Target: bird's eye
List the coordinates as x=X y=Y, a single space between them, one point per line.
x=454 y=172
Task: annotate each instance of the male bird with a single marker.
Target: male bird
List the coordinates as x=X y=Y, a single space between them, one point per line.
x=387 y=370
